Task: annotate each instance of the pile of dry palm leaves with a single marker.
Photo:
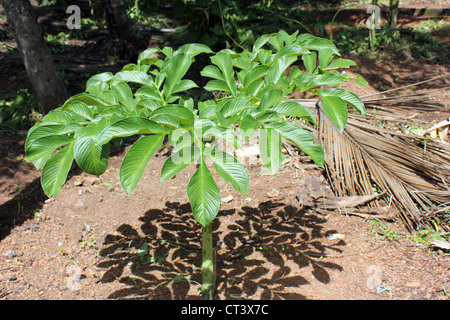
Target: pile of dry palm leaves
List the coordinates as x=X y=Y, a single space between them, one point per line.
x=378 y=169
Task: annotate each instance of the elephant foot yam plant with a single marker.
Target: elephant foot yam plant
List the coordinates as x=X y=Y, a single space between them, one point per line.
x=150 y=99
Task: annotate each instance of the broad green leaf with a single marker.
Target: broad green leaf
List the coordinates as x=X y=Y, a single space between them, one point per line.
x=123 y=93
x=181 y=113
x=98 y=83
x=254 y=88
x=309 y=60
x=145 y=55
x=229 y=168
x=203 y=194
x=181 y=139
x=167 y=120
x=248 y=127
x=81 y=109
x=212 y=72
x=278 y=69
x=302 y=138
x=223 y=61
x=61 y=116
x=128 y=127
x=235 y=105
x=148 y=93
x=222 y=133
x=134 y=77
x=269 y=99
x=217 y=85
x=136 y=160
x=88 y=99
x=45 y=130
x=193 y=49
x=336 y=110
x=268 y=116
x=41 y=149
x=177 y=68
x=89 y=155
x=311 y=42
x=326 y=79
x=184 y=85
x=149 y=104
x=270 y=149
x=294 y=50
x=255 y=74
x=55 y=171
x=294 y=109
x=346 y=95
x=325 y=57
x=177 y=162
x=260 y=42
x=340 y=63
x=277 y=41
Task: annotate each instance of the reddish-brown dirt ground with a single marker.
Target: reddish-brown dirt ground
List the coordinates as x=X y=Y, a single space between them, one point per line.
x=96 y=242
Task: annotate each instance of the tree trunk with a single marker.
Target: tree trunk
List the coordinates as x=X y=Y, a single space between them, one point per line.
x=120 y=25
x=45 y=80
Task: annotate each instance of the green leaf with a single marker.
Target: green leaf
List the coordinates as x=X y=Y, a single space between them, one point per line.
x=86 y=98
x=212 y=72
x=346 y=95
x=61 y=116
x=270 y=98
x=217 y=85
x=325 y=57
x=41 y=149
x=54 y=174
x=181 y=113
x=148 y=93
x=81 y=109
x=177 y=68
x=270 y=149
x=326 y=79
x=229 y=168
x=309 y=60
x=193 y=49
x=248 y=127
x=136 y=160
x=98 y=83
x=134 y=77
x=278 y=69
x=336 y=110
x=128 y=127
x=311 y=42
x=340 y=63
x=90 y=156
x=255 y=74
x=204 y=195
x=260 y=42
x=294 y=109
x=45 y=130
x=123 y=93
x=225 y=64
x=145 y=55
x=235 y=105
x=302 y=138
x=184 y=85
x=222 y=133
x=177 y=162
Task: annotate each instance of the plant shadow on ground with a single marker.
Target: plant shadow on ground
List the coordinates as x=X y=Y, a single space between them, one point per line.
x=259 y=251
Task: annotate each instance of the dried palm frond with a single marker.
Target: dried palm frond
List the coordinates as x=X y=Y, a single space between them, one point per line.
x=370 y=157
x=365 y=159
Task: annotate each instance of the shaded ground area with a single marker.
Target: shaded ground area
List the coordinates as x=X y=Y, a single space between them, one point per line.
x=96 y=242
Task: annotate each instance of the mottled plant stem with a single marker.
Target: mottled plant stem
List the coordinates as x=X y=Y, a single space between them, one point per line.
x=207 y=263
